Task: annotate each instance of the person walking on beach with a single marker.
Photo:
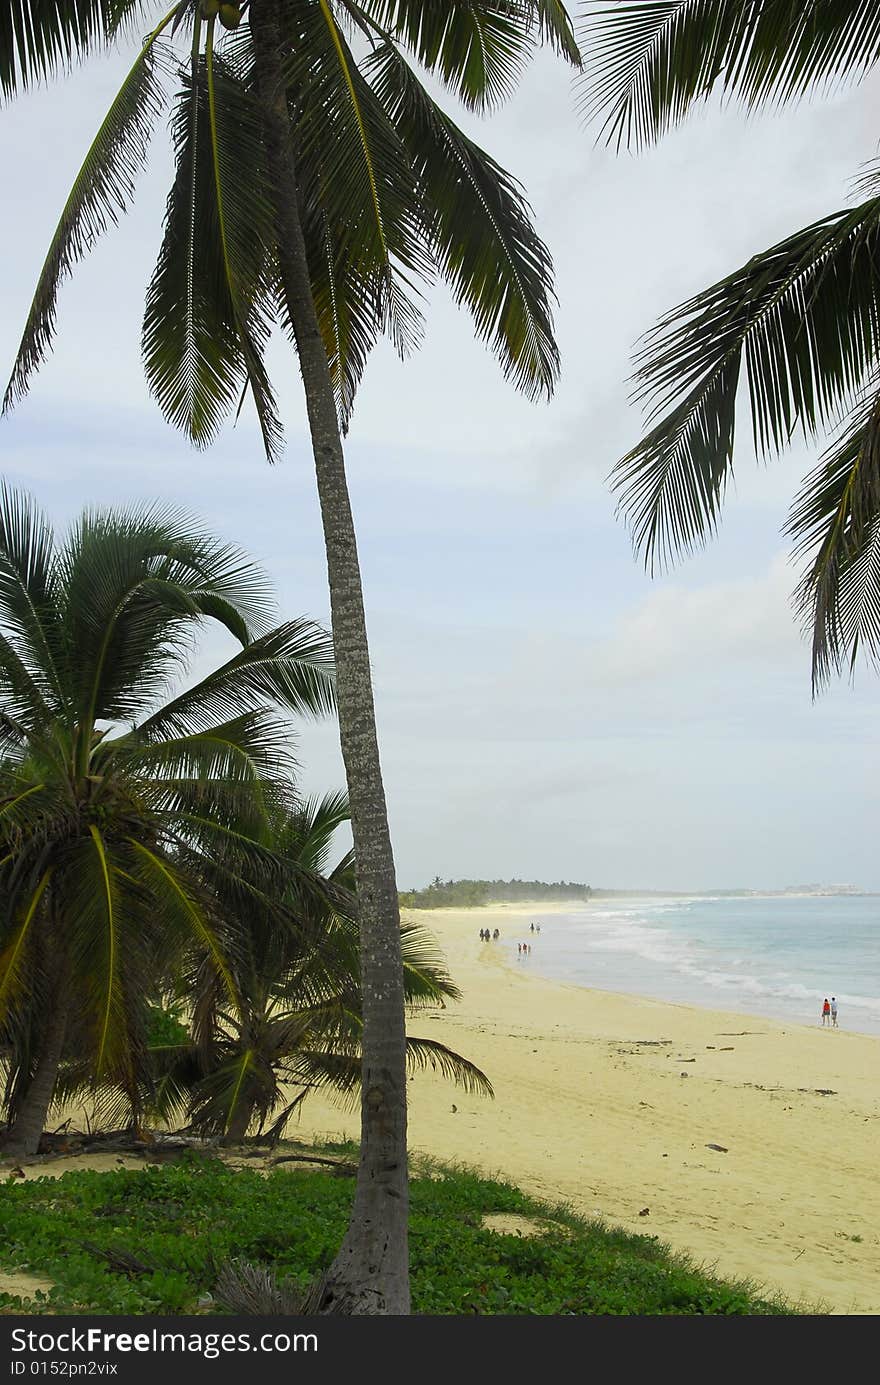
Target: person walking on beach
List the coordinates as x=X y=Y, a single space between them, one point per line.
x=826 y=1012
x=833 y=1013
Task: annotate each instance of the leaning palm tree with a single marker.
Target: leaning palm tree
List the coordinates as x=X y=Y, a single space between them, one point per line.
x=318 y=185
x=116 y=801
x=801 y=321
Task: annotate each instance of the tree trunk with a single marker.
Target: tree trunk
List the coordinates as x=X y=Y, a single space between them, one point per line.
x=23 y=1137
x=238 y=1126
x=370 y=1274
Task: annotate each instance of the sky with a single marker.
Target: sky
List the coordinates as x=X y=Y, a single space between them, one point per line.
x=546 y=709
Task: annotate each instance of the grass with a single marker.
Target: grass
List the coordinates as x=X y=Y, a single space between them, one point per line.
x=152 y=1241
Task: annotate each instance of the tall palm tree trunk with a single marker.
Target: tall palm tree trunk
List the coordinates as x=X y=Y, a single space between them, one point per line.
x=23 y=1136
x=370 y=1274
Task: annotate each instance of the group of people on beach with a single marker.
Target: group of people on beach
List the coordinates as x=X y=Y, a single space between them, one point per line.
x=522 y=949
x=829 y=1012
x=525 y=949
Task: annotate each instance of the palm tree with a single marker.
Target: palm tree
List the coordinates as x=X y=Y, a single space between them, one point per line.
x=116 y=801
x=801 y=319
x=297 y=1024
x=317 y=187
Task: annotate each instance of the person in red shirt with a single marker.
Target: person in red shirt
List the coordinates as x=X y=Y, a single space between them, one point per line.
x=826 y=1012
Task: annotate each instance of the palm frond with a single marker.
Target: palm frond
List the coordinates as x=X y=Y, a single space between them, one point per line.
x=835 y=523
x=236 y=143
x=102 y=191
x=39 y=38
x=177 y=899
x=31 y=642
x=242 y=751
x=107 y=895
x=339 y=1070
x=290 y=667
x=137 y=586
x=306 y=834
x=22 y=697
x=112 y=932
x=348 y=302
x=17 y=942
x=422 y=1054
x=650 y=61
x=241 y=1079
x=204 y=329
x=425 y=978
x=479 y=228
x=477 y=48
x=355 y=182
x=556 y=29
x=804 y=318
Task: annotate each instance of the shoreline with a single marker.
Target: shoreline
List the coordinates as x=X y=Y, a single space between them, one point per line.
x=780 y=1017
x=610 y=1103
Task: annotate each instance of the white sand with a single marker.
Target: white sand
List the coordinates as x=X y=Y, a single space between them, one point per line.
x=590 y=1112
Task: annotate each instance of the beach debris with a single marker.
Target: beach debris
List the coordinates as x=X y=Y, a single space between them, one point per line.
x=15 y=1173
x=712 y=1046
x=664 y=1156
x=645 y=1212
x=687 y=1060
x=121 y=1261
x=727 y=1048
x=819 y=1091
x=684 y=1074
x=454 y=1107
x=341 y=1168
x=722 y=1149
x=253 y=1291
x=650 y=1043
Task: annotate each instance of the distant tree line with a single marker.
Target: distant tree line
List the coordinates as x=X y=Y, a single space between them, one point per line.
x=470 y=894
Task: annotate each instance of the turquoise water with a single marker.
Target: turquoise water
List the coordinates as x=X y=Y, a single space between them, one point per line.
x=770 y=956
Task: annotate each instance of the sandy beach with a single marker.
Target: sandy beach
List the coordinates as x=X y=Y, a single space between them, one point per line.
x=609 y=1103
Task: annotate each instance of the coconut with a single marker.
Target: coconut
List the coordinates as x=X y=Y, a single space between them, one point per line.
x=230 y=16
x=209 y=9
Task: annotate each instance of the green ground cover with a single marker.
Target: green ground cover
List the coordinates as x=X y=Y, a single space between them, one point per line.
x=152 y=1240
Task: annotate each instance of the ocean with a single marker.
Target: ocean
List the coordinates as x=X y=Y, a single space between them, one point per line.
x=773 y=956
